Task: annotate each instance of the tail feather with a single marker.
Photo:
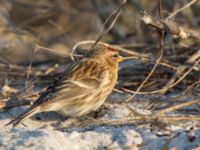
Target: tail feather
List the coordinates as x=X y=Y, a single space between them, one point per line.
x=22 y=117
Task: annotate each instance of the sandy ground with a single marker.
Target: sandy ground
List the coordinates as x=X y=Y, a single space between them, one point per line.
x=50 y=133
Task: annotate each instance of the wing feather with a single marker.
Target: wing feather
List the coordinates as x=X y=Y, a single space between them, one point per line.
x=66 y=88
x=71 y=84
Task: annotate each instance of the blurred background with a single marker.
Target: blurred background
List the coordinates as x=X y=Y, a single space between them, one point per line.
x=59 y=24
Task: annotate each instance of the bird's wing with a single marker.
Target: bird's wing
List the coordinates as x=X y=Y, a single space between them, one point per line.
x=73 y=83
x=64 y=88
x=69 y=90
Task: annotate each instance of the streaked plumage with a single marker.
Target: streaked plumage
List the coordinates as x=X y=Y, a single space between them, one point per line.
x=82 y=88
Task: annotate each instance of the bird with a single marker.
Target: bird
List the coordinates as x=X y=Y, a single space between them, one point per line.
x=80 y=89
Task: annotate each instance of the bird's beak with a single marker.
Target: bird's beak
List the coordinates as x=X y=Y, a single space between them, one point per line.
x=120 y=58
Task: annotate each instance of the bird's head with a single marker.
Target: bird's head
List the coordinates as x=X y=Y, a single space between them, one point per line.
x=105 y=54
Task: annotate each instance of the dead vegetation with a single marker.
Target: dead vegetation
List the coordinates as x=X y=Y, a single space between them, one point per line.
x=159 y=40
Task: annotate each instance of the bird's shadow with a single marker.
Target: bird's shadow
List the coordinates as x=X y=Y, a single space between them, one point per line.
x=47 y=116
x=52 y=118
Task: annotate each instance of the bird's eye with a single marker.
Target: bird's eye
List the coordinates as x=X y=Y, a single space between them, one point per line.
x=115 y=55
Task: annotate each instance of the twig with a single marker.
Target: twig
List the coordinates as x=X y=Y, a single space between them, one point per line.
x=130 y=120
x=123 y=50
x=157 y=61
x=18 y=68
x=181 y=118
x=180 y=9
x=170 y=86
x=160 y=9
x=182 y=68
x=134 y=55
x=57 y=52
x=69 y=40
x=105 y=31
x=147 y=78
x=165 y=64
x=30 y=66
x=171 y=27
x=118 y=91
x=107 y=15
x=178 y=106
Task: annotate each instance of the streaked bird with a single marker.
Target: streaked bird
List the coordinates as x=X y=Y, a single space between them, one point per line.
x=82 y=88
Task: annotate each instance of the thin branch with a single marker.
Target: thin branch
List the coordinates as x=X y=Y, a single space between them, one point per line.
x=126 y=51
x=181 y=9
x=178 y=106
x=152 y=61
x=180 y=70
x=170 y=86
x=57 y=52
x=129 y=120
x=134 y=54
x=171 y=27
x=161 y=44
x=69 y=40
x=105 y=31
x=30 y=66
x=146 y=79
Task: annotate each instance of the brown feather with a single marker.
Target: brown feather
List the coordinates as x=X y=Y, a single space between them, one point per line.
x=82 y=88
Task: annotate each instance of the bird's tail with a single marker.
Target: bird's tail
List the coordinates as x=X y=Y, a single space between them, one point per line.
x=23 y=116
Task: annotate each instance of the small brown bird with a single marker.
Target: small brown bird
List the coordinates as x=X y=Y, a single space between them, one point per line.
x=82 y=88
